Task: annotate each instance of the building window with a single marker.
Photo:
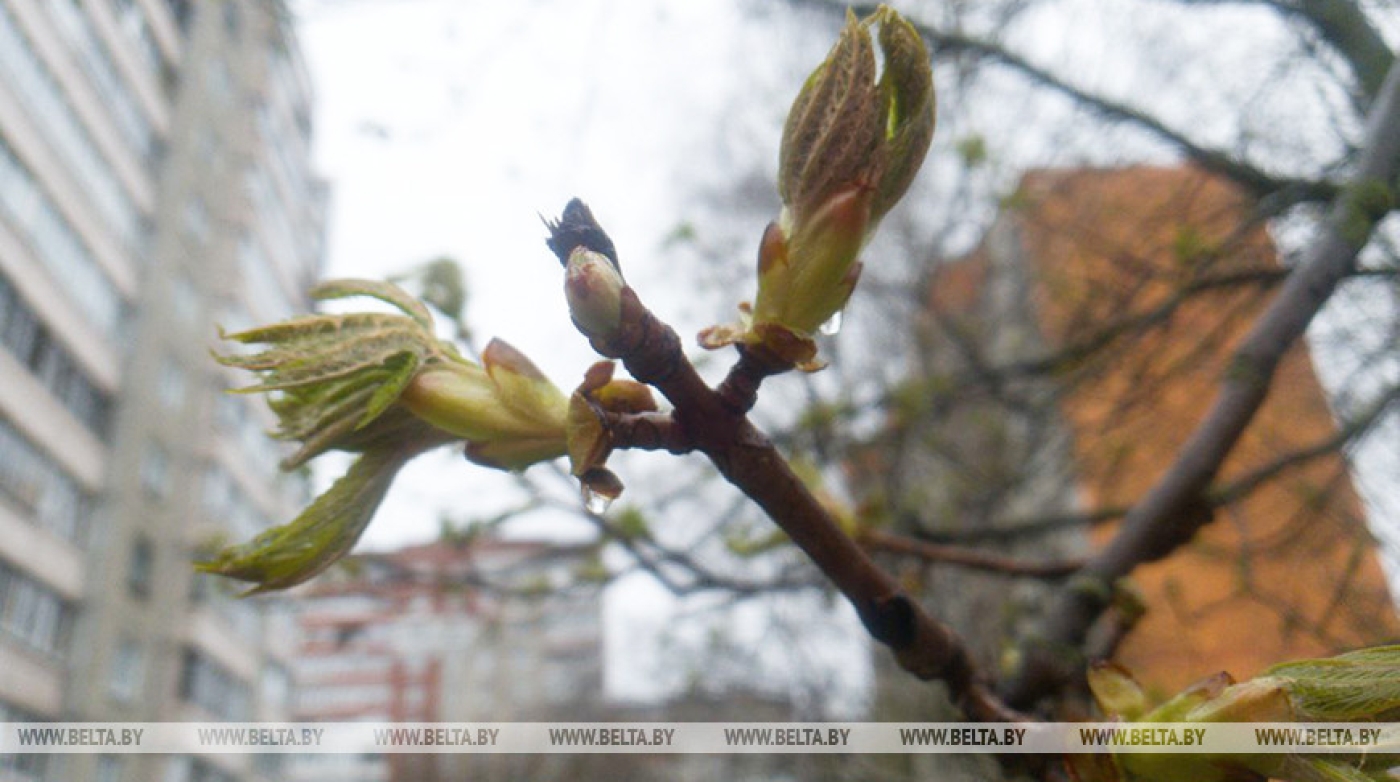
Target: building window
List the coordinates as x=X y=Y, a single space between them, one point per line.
x=196 y=219
x=209 y=686
x=40 y=490
x=128 y=671
x=132 y=20
x=170 y=386
x=48 y=105
x=25 y=767
x=32 y=214
x=138 y=573
x=183 y=768
x=276 y=687
x=33 y=614
x=31 y=343
x=19 y=329
x=232 y=20
x=182 y=10
x=186 y=299
x=219 y=81
x=75 y=26
x=155 y=471
x=264 y=289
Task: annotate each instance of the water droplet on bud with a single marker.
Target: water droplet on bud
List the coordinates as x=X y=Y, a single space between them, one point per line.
x=596 y=503
x=832 y=326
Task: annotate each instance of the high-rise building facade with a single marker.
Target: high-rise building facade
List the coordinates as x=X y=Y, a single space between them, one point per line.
x=154 y=183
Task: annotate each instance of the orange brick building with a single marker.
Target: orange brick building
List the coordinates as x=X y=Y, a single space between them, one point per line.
x=1131 y=288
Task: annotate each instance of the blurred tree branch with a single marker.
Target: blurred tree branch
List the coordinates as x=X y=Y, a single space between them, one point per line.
x=1276 y=193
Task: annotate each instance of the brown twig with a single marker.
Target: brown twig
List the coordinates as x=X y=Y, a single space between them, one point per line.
x=648 y=432
x=652 y=353
x=963 y=556
x=740 y=387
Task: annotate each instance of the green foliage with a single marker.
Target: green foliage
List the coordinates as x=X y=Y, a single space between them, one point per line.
x=1190 y=247
x=1360 y=685
x=323 y=533
x=631 y=523
x=338 y=374
x=383 y=386
x=1364 y=205
x=442 y=286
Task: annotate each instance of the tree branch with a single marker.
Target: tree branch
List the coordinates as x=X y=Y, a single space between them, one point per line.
x=962 y=556
x=1345 y=28
x=1177 y=506
x=652 y=353
x=1219 y=496
x=648 y=432
x=1278 y=191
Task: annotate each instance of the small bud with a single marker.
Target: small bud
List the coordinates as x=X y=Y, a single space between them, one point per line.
x=593 y=287
x=1116 y=691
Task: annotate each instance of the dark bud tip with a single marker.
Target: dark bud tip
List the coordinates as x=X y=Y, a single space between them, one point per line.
x=577 y=228
x=891 y=621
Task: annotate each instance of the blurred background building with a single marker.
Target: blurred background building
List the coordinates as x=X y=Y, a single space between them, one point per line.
x=451 y=631
x=1133 y=287
x=154 y=182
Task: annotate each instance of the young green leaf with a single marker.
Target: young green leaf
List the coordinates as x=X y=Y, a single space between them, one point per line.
x=287 y=555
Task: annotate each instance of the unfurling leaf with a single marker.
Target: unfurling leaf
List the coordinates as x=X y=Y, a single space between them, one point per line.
x=287 y=555
x=851 y=146
x=1360 y=685
x=382 y=385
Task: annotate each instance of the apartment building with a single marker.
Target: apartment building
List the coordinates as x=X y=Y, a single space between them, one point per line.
x=154 y=182
x=446 y=631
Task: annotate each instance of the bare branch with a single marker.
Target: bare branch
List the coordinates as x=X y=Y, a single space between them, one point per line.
x=1343 y=26
x=1275 y=192
x=962 y=556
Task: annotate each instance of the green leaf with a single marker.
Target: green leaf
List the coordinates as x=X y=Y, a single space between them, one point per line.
x=1360 y=685
x=312 y=350
x=399 y=372
x=907 y=87
x=386 y=292
x=290 y=554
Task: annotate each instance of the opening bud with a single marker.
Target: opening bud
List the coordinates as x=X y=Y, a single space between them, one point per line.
x=593 y=286
x=852 y=143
